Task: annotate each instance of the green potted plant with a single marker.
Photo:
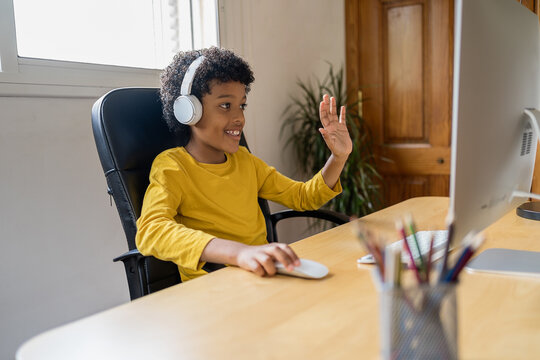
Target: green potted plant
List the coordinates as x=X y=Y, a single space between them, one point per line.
x=301 y=122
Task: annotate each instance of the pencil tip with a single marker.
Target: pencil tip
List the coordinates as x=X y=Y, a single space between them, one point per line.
x=449 y=218
x=408 y=218
x=469 y=239
x=478 y=241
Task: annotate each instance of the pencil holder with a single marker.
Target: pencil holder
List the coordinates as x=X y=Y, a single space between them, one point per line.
x=419 y=323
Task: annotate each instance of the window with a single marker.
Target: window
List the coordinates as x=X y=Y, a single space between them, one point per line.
x=76 y=48
x=134 y=33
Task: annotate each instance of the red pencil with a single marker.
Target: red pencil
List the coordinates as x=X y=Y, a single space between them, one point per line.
x=401 y=229
x=371 y=247
x=430 y=255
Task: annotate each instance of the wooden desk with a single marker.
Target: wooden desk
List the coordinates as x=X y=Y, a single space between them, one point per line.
x=234 y=314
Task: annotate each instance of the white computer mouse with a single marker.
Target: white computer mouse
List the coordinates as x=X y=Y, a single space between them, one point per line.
x=308 y=269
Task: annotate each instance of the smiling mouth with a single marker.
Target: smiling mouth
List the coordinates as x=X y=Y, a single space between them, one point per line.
x=233 y=132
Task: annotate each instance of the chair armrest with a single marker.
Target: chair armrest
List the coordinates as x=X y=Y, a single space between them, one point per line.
x=131 y=254
x=133 y=264
x=333 y=216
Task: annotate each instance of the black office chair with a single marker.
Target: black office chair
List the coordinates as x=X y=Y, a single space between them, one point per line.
x=129 y=132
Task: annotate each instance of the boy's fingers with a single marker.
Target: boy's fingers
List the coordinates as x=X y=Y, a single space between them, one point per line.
x=267 y=263
x=283 y=258
x=291 y=253
x=323 y=113
x=279 y=253
x=333 y=106
x=255 y=267
x=342 y=117
x=326 y=99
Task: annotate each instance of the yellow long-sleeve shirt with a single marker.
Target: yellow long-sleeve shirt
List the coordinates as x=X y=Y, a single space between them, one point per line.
x=189 y=203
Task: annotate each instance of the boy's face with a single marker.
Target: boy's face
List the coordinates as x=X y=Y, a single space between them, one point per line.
x=219 y=129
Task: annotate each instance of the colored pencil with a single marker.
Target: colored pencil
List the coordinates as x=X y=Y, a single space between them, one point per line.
x=371 y=247
x=409 y=221
x=390 y=265
x=430 y=255
x=466 y=254
x=450 y=229
x=475 y=244
x=401 y=229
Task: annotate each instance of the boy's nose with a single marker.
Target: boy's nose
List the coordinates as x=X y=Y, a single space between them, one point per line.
x=239 y=118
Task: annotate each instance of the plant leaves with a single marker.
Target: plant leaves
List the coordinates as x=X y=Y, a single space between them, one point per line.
x=301 y=124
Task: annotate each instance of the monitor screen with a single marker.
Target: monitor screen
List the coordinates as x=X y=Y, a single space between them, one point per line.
x=496 y=77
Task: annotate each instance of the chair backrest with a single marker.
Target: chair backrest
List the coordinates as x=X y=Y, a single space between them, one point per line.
x=130 y=132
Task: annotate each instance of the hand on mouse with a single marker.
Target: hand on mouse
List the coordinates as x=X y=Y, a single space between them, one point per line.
x=260 y=259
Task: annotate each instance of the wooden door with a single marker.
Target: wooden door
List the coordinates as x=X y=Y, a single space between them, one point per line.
x=530 y=4
x=400 y=58
x=399 y=55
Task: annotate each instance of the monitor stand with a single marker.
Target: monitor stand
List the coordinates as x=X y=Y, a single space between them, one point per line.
x=506 y=262
x=530 y=210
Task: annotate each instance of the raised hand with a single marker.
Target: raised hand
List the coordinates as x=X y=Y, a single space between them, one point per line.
x=334 y=131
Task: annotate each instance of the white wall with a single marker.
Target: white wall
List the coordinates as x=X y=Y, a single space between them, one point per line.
x=283 y=41
x=58 y=232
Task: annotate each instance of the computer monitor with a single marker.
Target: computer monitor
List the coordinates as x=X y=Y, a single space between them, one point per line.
x=496 y=77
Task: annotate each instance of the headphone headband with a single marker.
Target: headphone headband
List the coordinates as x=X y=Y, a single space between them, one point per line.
x=187 y=82
x=187 y=108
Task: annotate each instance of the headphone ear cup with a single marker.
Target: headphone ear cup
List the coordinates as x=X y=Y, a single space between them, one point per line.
x=198 y=109
x=187 y=109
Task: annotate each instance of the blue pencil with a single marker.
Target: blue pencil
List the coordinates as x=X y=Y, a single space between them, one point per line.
x=450 y=227
x=465 y=255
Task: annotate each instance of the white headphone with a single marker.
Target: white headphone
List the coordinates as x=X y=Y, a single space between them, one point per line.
x=187 y=108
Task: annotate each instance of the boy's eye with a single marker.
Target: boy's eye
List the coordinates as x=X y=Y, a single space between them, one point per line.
x=227 y=106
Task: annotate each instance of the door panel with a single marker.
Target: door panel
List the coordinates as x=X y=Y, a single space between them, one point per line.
x=415 y=160
x=404 y=83
x=399 y=54
x=395 y=187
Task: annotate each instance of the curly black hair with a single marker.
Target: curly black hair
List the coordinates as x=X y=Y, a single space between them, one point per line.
x=219 y=64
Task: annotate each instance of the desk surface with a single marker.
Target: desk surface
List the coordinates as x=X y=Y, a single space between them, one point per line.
x=234 y=314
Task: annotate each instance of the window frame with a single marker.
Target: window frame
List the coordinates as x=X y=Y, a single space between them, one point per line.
x=30 y=77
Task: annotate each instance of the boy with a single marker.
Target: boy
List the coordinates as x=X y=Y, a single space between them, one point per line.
x=201 y=205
